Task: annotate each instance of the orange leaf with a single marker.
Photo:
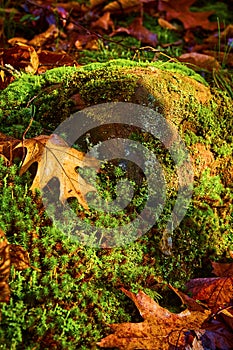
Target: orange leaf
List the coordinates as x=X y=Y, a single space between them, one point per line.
x=22 y=56
x=138 y=31
x=57 y=160
x=5 y=263
x=51 y=33
x=104 y=22
x=19 y=257
x=161 y=329
x=215 y=292
x=200 y=60
x=180 y=10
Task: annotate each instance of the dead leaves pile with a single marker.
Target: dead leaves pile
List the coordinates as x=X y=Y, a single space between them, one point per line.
x=207 y=323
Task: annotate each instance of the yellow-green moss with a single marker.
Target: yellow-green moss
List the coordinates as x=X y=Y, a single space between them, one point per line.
x=202 y=116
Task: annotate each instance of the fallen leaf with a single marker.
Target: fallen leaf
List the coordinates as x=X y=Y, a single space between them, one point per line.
x=124 y=5
x=104 y=22
x=50 y=34
x=19 y=257
x=95 y=3
x=57 y=160
x=161 y=329
x=215 y=292
x=180 y=10
x=138 y=31
x=227 y=316
x=200 y=60
x=22 y=56
x=5 y=263
x=225 y=58
x=49 y=59
x=216 y=336
x=165 y=24
x=222 y=269
x=7 y=148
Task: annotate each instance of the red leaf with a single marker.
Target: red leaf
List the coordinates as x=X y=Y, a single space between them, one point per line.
x=215 y=292
x=138 y=31
x=180 y=10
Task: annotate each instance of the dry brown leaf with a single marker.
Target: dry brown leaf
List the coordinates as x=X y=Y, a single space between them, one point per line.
x=57 y=160
x=161 y=329
x=5 y=263
x=138 y=31
x=200 y=60
x=124 y=5
x=180 y=10
x=22 y=56
x=104 y=22
x=19 y=257
x=50 y=34
x=222 y=269
x=95 y=3
x=215 y=292
x=7 y=145
x=165 y=24
x=49 y=59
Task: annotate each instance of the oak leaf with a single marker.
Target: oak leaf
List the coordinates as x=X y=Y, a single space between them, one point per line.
x=180 y=10
x=161 y=329
x=216 y=292
x=57 y=160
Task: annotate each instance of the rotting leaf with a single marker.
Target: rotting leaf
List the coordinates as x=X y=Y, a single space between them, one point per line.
x=57 y=160
x=161 y=329
x=124 y=5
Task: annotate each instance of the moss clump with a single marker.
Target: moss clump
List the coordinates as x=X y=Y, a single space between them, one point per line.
x=71 y=292
x=78 y=283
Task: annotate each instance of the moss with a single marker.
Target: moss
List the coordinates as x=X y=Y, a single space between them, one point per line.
x=70 y=292
x=85 y=281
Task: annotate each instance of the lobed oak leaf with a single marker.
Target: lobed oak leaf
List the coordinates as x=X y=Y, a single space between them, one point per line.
x=57 y=160
x=180 y=10
x=216 y=292
x=161 y=329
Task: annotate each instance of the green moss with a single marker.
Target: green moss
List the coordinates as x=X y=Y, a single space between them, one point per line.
x=73 y=292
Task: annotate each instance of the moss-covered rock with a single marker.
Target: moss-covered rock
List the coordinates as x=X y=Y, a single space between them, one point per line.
x=203 y=118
